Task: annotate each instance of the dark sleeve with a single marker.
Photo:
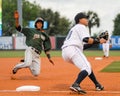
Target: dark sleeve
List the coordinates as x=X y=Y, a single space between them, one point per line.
x=18 y=28
x=46 y=43
x=95 y=40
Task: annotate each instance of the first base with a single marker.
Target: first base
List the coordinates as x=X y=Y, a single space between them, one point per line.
x=28 y=88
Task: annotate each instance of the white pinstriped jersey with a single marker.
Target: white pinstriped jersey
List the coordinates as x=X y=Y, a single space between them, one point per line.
x=76 y=35
x=72 y=49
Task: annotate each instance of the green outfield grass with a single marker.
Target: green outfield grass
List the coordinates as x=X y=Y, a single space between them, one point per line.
x=8 y=54
x=57 y=53
x=100 y=53
x=113 y=67
x=20 y=53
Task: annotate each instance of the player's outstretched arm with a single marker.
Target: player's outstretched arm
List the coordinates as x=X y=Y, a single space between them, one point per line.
x=91 y=40
x=16 y=16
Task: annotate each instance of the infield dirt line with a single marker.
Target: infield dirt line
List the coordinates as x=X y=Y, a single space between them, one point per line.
x=113 y=92
x=105 y=92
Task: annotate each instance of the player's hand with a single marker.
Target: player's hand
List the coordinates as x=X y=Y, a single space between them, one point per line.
x=16 y=15
x=51 y=61
x=102 y=40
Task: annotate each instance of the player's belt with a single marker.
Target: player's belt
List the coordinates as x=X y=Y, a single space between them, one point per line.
x=35 y=50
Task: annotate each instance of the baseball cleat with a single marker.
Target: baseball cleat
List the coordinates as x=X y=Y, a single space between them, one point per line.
x=14 y=71
x=76 y=88
x=99 y=87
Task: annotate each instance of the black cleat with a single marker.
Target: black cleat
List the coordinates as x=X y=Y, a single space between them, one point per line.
x=76 y=88
x=14 y=71
x=22 y=60
x=99 y=87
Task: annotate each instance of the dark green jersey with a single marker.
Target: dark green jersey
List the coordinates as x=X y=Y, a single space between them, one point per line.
x=35 y=38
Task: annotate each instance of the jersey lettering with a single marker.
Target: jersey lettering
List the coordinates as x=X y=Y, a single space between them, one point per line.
x=36 y=36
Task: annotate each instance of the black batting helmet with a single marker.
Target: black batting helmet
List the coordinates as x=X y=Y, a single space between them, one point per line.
x=39 y=19
x=80 y=16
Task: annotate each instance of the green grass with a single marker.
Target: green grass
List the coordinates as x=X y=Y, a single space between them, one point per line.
x=14 y=53
x=20 y=53
x=113 y=67
x=100 y=53
x=7 y=54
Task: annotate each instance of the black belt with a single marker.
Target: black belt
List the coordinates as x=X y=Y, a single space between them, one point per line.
x=35 y=50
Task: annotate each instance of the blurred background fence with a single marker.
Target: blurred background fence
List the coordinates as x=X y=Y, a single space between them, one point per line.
x=18 y=43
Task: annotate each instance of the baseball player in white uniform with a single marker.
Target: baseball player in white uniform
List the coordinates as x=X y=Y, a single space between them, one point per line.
x=106 y=46
x=72 y=51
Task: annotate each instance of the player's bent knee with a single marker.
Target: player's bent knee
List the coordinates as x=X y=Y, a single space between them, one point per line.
x=35 y=73
x=88 y=70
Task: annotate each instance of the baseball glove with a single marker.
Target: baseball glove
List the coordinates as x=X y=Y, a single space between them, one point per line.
x=103 y=35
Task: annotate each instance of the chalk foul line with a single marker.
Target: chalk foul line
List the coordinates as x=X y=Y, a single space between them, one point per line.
x=105 y=92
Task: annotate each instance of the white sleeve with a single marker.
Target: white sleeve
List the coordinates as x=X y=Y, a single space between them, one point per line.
x=83 y=32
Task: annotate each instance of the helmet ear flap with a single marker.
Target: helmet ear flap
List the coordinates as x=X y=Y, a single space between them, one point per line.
x=35 y=26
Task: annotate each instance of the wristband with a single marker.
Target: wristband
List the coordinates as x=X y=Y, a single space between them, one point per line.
x=18 y=28
x=96 y=41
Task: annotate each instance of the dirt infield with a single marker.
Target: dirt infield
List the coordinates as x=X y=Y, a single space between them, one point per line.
x=55 y=80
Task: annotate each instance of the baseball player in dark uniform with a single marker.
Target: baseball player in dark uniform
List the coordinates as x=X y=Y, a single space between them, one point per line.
x=36 y=41
x=72 y=51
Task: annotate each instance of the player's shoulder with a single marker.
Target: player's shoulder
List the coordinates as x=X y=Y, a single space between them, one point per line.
x=27 y=30
x=45 y=34
x=78 y=27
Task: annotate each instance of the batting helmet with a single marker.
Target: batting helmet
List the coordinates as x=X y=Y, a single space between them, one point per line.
x=39 y=19
x=80 y=16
